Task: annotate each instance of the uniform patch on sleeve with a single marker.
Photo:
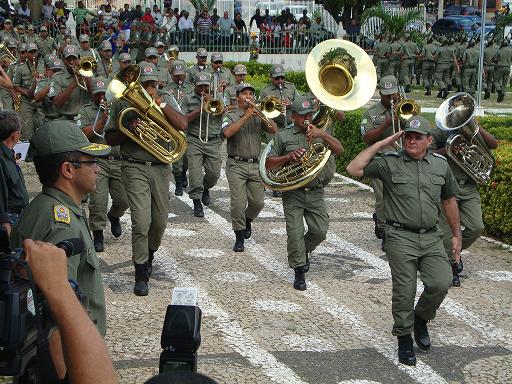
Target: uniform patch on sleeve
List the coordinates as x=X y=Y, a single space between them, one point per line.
x=61 y=214
x=392 y=153
x=438 y=155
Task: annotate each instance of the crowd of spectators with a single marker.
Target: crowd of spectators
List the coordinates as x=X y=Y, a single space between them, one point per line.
x=276 y=33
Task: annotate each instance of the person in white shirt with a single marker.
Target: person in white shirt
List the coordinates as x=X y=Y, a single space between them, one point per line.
x=48 y=9
x=157 y=15
x=185 y=25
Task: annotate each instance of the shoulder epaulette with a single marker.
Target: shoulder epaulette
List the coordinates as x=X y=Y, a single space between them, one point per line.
x=61 y=214
x=440 y=156
x=392 y=153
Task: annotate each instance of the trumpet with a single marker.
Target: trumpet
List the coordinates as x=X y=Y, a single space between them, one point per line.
x=85 y=68
x=260 y=112
x=270 y=106
x=404 y=109
x=6 y=56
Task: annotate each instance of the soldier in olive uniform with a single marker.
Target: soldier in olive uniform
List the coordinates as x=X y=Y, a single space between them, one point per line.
x=8 y=33
x=67 y=167
x=62 y=41
x=429 y=65
x=48 y=110
x=151 y=56
x=105 y=66
x=382 y=52
x=45 y=44
x=445 y=58
x=145 y=41
x=242 y=128
x=134 y=41
x=6 y=86
x=200 y=66
x=240 y=73
x=305 y=203
x=283 y=90
x=204 y=140
x=409 y=53
x=393 y=67
x=470 y=58
x=92 y=119
x=502 y=63
x=377 y=124
x=459 y=46
x=64 y=91
x=417 y=183
x=30 y=36
x=468 y=199
x=20 y=30
x=489 y=53
x=221 y=77
x=85 y=48
x=145 y=178
x=124 y=60
x=162 y=61
x=179 y=88
x=25 y=81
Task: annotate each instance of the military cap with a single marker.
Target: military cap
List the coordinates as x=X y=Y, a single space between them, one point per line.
x=176 y=62
x=60 y=136
x=20 y=26
x=7 y=21
x=83 y=38
x=217 y=57
x=202 y=52
x=159 y=44
x=43 y=29
x=106 y=46
x=179 y=69
x=31 y=47
x=302 y=105
x=49 y=57
x=56 y=64
x=12 y=43
x=388 y=85
x=125 y=57
x=277 y=70
x=418 y=124
x=151 y=51
x=30 y=27
x=70 y=50
x=240 y=69
x=99 y=85
x=202 y=79
x=173 y=48
x=240 y=87
x=148 y=72
x=22 y=47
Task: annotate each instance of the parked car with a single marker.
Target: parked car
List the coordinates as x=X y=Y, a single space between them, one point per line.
x=461 y=10
x=453 y=24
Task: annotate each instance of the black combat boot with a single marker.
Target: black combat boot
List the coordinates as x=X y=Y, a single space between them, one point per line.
x=501 y=96
x=440 y=94
x=178 y=191
x=248 y=229
x=455 y=278
x=150 y=262
x=98 y=241
x=429 y=92
x=421 y=336
x=277 y=194
x=198 y=208
x=487 y=94
x=206 y=197
x=239 y=242
x=115 y=226
x=445 y=94
x=141 y=280
x=405 y=350
x=408 y=88
x=184 y=180
x=300 y=279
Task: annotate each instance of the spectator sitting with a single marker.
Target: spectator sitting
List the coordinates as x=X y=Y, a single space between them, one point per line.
x=147 y=17
x=125 y=15
x=48 y=10
x=23 y=12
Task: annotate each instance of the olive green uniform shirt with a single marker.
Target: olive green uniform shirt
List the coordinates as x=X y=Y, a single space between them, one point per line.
x=192 y=102
x=79 y=96
x=89 y=52
x=382 y=49
x=489 y=53
x=23 y=76
x=409 y=50
x=372 y=118
x=413 y=189
x=194 y=70
x=13 y=193
x=247 y=141
x=178 y=91
x=445 y=55
x=30 y=39
x=289 y=91
x=224 y=74
x=428 y=52
x=11 y=35
x=471 y=56
x=47 y=107
x=45 y=46
x=503 y=56
x=53 y=217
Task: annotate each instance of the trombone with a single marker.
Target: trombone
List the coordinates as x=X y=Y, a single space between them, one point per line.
x=103 y=107
x=214 y=107
x=85 y=68
x=261 y=113
x=404 y=109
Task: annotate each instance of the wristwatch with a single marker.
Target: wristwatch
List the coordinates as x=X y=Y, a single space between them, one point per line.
x=163 y=105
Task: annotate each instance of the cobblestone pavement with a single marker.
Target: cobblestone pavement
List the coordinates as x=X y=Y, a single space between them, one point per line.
x=257 y=329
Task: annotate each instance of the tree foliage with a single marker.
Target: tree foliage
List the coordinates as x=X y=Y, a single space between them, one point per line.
x=393 y=23
x=200 y=4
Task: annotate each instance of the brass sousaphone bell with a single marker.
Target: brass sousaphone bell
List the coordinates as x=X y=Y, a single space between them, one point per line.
x=342 y=76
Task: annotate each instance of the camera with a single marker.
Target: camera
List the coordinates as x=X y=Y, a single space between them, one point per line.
x=25 y=319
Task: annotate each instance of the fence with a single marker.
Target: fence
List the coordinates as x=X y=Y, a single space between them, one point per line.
x=374 y=24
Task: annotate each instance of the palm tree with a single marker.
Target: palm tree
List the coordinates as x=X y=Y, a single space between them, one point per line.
x=393 y=23
x=200 y=4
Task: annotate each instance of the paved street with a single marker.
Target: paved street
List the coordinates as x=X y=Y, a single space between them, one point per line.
x=258 y=329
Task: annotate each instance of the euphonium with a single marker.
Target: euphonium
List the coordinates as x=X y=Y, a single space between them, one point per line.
x=465 y=146
x=342 y=76
x=144 y=122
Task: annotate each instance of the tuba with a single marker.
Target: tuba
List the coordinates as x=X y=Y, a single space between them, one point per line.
x=151 y=130
x=465 y=146
x=342 y=76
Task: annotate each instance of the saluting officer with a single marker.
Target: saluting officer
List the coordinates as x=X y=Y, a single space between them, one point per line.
x=377 y=124
x=91 y=119
x=64 y=91
x=417 y=183
x=200 y=66
x=283 y=90
x=305 y=203
x=145 y=178
x=242 y=128
x=204 y=140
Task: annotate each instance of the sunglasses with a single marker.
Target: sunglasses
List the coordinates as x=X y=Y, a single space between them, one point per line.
x=279 y=78
x=92 y=162
x=217 y=62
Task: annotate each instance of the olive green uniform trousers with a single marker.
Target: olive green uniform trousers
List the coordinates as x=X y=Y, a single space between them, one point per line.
x=201 y=155
x=247 y=192
x=408 y=253
x=310 y=206
x=501 y=78
x=443 y=75
x=29 y=117
x=470 y=211
x=109 y=179
x=147 y=188
x=407 y=71
x=378 y=190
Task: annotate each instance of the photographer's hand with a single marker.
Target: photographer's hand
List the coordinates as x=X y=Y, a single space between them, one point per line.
x=85 y=352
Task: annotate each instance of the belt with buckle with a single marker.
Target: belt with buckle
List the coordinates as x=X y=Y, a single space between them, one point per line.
x=67 y=117
x=402 y=227
x=244 y=159
x=318 y=186
x=149 y=163
x=214 y=137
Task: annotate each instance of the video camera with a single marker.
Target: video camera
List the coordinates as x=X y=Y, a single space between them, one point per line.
x=25 y=319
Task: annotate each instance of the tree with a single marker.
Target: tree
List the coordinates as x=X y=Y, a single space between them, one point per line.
x=200 y=4
x=343 y=10
x=393 y=23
